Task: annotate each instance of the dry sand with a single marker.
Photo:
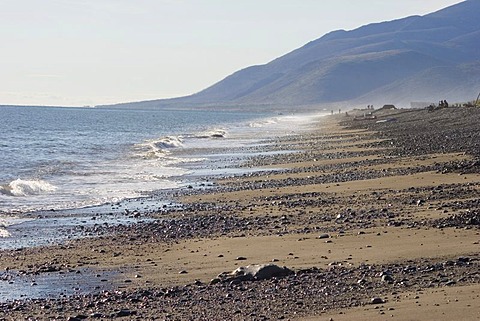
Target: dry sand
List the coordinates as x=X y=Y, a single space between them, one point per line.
x=428 y=305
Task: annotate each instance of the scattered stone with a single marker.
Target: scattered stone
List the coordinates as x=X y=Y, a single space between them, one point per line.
x=215 y=281
x=463 y=259
x=377 y=300
x=387 y=278
x=96 y=315
x=124 y=313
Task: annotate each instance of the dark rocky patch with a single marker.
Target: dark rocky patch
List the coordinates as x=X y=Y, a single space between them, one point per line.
x=309 y=291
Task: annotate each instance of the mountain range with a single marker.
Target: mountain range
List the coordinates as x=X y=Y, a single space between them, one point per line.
x=415 y=59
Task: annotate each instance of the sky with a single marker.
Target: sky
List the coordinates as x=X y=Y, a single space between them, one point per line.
x=93 y=52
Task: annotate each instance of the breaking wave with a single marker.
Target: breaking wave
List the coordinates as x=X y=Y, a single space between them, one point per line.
x=263 y=123
x=156 y=148
x=4 y=232
x=214 y=133
x=169 y=142
x=159 y=148
x=21 y=187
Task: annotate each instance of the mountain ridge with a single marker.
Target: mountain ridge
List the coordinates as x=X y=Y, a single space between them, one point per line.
x=382 y=62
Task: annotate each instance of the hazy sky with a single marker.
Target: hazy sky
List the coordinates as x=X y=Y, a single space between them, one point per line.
x=89 y=52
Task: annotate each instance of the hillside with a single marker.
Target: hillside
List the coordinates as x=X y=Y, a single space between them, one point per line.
x=418 y=58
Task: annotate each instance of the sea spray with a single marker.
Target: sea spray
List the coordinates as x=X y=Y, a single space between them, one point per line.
x=212 y=133
x=157 y=148
x=19 y=187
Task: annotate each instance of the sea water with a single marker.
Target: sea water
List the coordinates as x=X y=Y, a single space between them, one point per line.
x=54 y=158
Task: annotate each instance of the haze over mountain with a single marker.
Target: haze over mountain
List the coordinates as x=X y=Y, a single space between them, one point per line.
x=418 y=58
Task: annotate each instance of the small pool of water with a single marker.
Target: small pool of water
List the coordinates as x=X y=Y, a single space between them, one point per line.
x=14 y=286
x=44 y=230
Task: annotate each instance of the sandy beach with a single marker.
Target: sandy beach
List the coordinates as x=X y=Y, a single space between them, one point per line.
x=373 y=219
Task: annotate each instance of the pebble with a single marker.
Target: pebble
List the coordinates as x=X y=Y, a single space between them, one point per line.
x=124 y=313
x=387 y=278
x=377 y=300
x=96 y=315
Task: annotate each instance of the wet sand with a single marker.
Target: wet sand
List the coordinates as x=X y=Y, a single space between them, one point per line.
x=364 y=210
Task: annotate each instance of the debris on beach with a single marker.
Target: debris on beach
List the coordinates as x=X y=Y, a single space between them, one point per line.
x=253 y=272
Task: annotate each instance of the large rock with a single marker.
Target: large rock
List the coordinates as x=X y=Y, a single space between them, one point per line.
x=254 y=272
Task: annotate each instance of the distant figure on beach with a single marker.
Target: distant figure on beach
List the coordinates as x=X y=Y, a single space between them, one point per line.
x=339 y=111
x=332 y=112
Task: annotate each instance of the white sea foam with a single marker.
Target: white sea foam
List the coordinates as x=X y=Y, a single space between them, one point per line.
x=156 y=148
x=7 y=221
x=20 y=187
x=263 y=123
x=4 y=232
x=213 y=133
x=169 y=142
x=287 y=123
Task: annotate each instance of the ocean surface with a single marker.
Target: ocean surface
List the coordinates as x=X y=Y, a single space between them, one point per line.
x=54 y=159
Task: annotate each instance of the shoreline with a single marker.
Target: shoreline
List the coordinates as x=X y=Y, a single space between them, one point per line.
x=127 y=163
x=199 y=173
x=357 y=199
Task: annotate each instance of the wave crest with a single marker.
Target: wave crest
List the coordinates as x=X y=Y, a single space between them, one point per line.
x=4 y=233
x=263 y=123
x=158 y=147
x=214 y=133
x=168 y=142
x=20 y=187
